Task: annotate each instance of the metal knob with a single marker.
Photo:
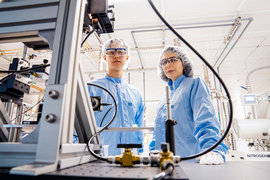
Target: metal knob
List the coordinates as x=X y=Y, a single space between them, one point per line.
x=53 y=94
x=50 y=118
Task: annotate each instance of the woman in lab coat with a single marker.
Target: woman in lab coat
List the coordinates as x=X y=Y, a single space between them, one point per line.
x=197 y=128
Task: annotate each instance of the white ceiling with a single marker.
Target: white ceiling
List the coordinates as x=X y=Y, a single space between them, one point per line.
x=136 y=17
x=252 y=49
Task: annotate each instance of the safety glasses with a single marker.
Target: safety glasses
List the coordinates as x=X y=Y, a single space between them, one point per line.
x=169 y=60
x=112 y=51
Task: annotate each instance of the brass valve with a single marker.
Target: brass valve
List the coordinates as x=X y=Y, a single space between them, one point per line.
x=127 y=159
x=166 y=157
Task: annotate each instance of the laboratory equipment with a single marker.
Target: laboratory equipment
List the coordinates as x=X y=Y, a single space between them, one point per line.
x=252 y=138
x=60 y=30
x=249 y=99
x=62 y=27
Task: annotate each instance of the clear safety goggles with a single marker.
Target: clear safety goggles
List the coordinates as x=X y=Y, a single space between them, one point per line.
x=169 y=60
x=112 y=51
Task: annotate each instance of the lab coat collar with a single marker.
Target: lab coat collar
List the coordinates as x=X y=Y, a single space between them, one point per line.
x=115 y=80
x=174 y=85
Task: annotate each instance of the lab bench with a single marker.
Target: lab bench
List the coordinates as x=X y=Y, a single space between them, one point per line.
x=231 y=170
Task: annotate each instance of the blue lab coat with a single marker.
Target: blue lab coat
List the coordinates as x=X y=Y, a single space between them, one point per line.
x=197 y=128
x=129 y=113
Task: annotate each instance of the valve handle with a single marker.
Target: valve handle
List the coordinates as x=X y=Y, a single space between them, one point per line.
x=129 y=145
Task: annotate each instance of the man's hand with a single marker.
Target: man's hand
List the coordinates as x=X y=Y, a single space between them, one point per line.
x=211 y=158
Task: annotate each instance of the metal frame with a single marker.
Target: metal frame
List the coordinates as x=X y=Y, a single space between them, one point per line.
x=4 y=118
x=54 y=149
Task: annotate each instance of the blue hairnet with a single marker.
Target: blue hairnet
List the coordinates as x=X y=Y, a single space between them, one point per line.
x=183 y=54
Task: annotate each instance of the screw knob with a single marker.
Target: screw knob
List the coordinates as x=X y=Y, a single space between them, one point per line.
x=53 y=94
x=50 y=118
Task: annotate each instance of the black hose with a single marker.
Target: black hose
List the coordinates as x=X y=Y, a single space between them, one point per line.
x=105 y=127
x=211 y=68
x=87 y=37
x=105 y=116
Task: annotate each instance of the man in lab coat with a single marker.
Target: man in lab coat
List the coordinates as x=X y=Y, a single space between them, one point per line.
x=129 y=101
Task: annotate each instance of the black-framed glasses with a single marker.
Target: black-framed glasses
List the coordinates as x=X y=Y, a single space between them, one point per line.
x=112 y=51
x=169 y=60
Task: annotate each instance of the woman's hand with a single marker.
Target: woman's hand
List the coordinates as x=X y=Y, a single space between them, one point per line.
x=211 y=158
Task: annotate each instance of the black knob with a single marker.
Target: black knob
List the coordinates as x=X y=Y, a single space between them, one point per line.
x=129 y=145
x=174 y=122
x=45 y=61
x=165 y=147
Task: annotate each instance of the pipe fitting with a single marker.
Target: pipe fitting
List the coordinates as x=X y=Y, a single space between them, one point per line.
x=176 y=159
x=155 y=159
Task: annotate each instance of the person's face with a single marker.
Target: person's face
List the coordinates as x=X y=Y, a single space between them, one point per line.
x=173 y=69
x=116 y=62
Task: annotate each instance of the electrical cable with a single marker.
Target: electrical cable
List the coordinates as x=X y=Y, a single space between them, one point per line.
x=211 y=68
x=105 y=127
x=25 y=70
x=6 y=77
x=105 y=116
x=13 y=72
x=87 y=37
